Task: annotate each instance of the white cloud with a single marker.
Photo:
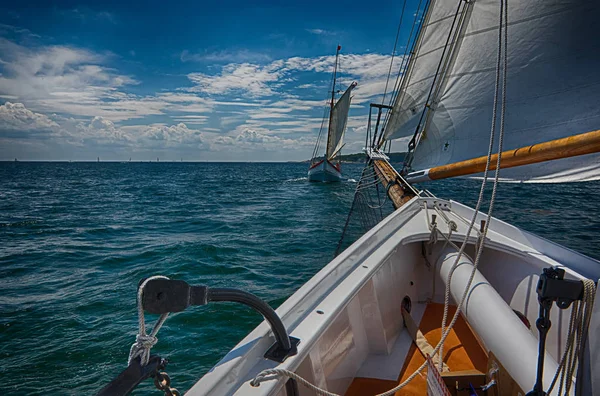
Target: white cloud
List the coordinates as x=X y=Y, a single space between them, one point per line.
x=55 y=70
x=16 y=121
x=69 y=80
x=101 y=129
x=244 y=138
x=225 y=56
x=191 y=119
x=254 y=104
x=306 y=86
x=4 y=28
x=320 y=32
x=254 y=80
x=15 y=117
x=172 y=135
x=251 y=136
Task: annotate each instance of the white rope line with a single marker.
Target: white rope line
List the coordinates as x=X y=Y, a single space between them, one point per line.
x=503 y=12
x=144 y=342
x=446 y=331
x=270 y=374
x=581 y=312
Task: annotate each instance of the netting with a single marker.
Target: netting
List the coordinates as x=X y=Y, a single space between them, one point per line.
x=369 y=206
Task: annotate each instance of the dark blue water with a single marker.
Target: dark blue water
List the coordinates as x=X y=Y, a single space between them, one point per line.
x=75 y=238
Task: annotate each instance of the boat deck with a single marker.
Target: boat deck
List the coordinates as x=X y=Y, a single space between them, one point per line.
x=461 y=352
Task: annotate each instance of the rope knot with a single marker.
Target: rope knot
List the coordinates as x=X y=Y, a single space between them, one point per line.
x=145 y=341
x=141 y=347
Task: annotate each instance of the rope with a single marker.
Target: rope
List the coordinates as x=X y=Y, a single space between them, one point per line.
x=321 y=129
x=443 y=59
x=270 y=374
x=393 y=53
x=409 y=50
x=264 y=375
x=144 y=342
x=581 y=312
x=360 y=200
x=503 y=9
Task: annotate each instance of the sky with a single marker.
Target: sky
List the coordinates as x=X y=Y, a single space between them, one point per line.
x=187 y=80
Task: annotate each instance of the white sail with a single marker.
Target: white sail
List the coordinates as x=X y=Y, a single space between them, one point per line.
x=430 y=52
x=552 y=87
x=337 y=125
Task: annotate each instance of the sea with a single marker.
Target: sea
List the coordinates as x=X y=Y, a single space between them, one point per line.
x=76 y=238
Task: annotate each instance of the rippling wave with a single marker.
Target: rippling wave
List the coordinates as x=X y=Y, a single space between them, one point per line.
x=75 y=239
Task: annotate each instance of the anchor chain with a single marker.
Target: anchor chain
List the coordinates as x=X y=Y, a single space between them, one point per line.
x=162 y=381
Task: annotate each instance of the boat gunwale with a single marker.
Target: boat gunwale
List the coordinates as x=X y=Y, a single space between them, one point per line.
x=296 y=310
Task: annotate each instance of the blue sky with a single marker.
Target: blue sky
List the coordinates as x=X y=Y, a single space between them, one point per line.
x=202 y=81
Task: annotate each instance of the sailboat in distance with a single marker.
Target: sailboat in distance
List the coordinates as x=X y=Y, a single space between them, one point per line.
x=438 y=297
x=328 y=168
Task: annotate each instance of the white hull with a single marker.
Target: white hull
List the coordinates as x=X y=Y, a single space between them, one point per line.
x=324 y=171
x=348 y=315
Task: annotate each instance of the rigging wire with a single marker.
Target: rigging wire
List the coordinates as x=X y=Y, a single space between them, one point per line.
x=481 y=242
x=412 y=143
x=393 y=52
x=409 y=51
x=430 y=106
x=319 y=137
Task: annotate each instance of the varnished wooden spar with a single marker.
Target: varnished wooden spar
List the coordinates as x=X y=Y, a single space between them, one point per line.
x=388 y=175
x=585 y=143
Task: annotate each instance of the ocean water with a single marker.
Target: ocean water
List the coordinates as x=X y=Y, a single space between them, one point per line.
x=75 y=239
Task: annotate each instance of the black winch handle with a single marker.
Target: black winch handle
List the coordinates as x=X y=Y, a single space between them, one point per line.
x=132 y=376
x=162 y=296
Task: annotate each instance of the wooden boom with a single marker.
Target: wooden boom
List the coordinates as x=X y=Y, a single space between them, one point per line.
x=585 y=143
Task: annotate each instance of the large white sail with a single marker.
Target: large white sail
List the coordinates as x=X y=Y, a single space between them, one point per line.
x=552 y=87
x=441 y=21
x=337 y=125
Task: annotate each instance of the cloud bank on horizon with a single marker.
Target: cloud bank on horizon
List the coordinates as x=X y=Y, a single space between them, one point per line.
x=64 y=98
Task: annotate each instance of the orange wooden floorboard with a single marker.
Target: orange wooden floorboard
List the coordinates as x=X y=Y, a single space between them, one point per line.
x=461 y=352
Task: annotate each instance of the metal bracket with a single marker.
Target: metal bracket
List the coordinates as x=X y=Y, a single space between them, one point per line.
x=552 y=286
x=441 y=204
x=132 y=376
x=279 y=354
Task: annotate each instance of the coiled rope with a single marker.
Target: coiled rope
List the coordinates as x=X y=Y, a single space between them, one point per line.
x=581 y=312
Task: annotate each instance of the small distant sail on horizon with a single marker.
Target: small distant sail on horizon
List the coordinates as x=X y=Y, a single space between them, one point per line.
x=326 y=168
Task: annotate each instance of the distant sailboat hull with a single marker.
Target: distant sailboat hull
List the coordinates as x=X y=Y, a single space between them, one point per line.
x=324 y=171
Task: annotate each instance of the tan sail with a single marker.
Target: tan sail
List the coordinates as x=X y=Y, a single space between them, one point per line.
x=572 y=146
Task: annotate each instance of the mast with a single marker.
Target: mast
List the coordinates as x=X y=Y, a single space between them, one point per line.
x=337 y=54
